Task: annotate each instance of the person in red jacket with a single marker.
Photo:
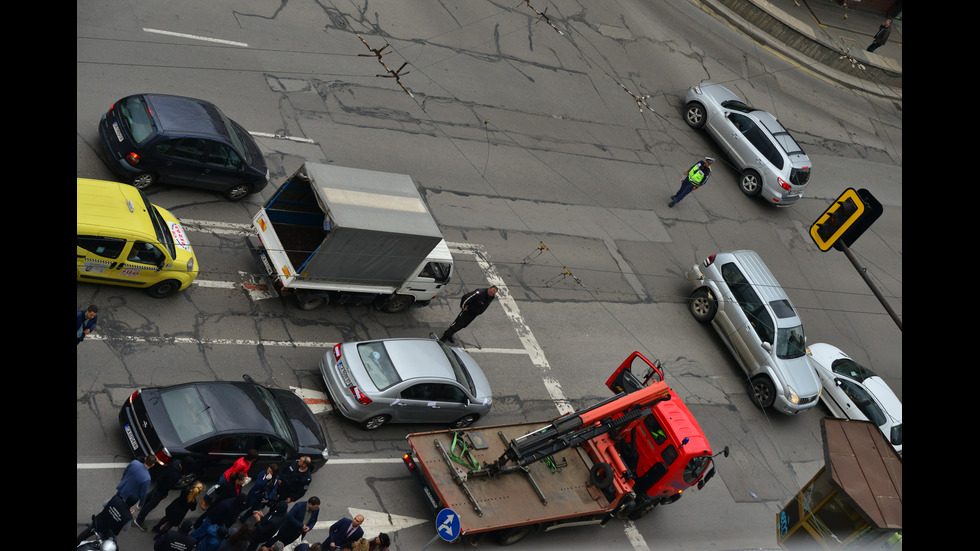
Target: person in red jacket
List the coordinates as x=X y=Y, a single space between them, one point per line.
x=242 y=465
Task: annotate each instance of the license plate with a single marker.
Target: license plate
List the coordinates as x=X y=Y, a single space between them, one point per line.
x=268 y=265
x=115 y=126
x=132 y=437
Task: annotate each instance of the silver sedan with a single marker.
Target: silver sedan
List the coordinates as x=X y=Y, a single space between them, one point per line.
x=769 y=160
x=405 y=381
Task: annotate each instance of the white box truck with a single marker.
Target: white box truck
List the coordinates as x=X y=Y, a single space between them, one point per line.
x=348 y=235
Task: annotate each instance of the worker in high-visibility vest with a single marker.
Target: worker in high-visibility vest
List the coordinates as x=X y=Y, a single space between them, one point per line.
x=694 y=178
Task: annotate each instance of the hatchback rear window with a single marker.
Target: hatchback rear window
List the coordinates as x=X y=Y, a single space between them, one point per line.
x=137 y=119
x=799 y=176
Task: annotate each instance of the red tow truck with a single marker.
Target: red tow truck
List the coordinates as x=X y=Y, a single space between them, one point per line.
x=619 y=458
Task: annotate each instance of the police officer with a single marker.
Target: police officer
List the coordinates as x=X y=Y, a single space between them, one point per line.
x=696 y=177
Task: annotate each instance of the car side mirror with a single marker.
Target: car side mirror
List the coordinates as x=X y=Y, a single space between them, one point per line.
x=766 y=346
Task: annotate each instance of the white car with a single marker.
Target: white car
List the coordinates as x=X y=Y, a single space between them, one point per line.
x=852 y=391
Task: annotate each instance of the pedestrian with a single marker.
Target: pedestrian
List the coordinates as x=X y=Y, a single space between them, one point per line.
x=135 y=481
x=380 y=542
x=241 y=465
x=238 y=541
x=229 y=488
x=343 y=533
x=262 y=492
x=881 y=36
x=360 y=545
x=178 y=539
x=86 y=320
x=300 y=520
x=296 y=480
x=266 y=526
x=165 y=483
x=174 y=514
x=212 y=538
x=224 y=512
x=471 y=305
x=694 y=178
x=112 y=520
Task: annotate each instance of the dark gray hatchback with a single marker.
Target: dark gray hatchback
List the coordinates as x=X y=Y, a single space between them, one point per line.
x=217 y=422
x=151 y=138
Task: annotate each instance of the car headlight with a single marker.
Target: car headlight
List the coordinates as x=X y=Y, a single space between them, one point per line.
x=190 y=264
x=791 y=394
x=696 y=88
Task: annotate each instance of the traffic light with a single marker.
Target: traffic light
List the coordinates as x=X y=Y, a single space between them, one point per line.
x=834 y=222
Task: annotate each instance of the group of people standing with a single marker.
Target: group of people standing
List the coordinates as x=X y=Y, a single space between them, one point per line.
x=269 y=516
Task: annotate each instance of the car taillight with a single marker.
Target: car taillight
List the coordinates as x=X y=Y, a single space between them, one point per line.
x=359 y=396
x=133 y=159
x=336 y=352
x=709 y=261
x=163 y=456
x=109 y=112
x=784 y=184
x=408 y=461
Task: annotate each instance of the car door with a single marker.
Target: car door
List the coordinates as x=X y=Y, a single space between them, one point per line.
x=740 y=148
x=115 y=260
x=222 y=167
x=271 y=450
x=430 y=402
x=739 y=299
x=181 y=160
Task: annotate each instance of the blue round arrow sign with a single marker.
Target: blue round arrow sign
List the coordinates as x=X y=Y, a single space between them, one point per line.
x=447 y=525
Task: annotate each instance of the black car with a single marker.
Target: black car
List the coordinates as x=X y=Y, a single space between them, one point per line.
x=152 y=138
x=217 y=422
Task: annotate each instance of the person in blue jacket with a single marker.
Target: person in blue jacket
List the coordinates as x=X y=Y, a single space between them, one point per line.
x=85 y=322
x=263 y=491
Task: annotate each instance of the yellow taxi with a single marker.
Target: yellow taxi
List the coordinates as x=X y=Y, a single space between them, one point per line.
x=125 y=240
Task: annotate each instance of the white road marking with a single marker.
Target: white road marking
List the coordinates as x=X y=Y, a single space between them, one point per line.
x=195 y=37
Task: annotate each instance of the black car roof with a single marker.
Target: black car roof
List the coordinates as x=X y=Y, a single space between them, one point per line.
x=178 y=114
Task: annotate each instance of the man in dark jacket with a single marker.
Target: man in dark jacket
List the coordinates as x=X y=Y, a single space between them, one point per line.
x=166 y=482
x=471 y=305
x=296 y=480
x=112 y=520
x=343 y=533
x=300 y=520
x=178 y=539
x=881 y=36
x=85 y=322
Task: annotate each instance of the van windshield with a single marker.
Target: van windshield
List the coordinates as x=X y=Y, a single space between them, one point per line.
x=790 y=342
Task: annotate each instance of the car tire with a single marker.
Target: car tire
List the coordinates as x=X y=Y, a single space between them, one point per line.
x=763 y=392
x=703 y=306
x=510 y=536
x=464 y=421
x=164 y=289
x=238 y=192
x=375 y=422
x=601 y=475
x=143 y=180
x=399 y=303
x=642 y=508
x=750 y=183
x=695 y=115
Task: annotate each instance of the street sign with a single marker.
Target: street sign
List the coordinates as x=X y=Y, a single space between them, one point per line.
x=835 y=221
x=447 y=525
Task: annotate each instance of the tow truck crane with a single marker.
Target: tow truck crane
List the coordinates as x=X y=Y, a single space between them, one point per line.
x=618 y=458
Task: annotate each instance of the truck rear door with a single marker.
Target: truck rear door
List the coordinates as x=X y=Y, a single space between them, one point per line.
x=274 y=256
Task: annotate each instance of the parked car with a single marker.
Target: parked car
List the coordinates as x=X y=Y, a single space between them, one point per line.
x=151 y=138
x=852 y=391
x=771 y=163
x=737 y=294
x=405 y=381
x=217 y=422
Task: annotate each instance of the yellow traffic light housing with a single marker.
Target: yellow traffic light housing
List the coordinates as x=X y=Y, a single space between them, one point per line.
x=835 y=221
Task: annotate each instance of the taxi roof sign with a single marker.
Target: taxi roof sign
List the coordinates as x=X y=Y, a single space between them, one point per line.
x=835 y=221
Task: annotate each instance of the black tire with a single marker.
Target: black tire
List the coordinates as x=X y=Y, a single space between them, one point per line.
x=703 y=306
x=510 y=536
x=164 y=289
x=694 y=115
x=375 y=422
x=143 y=180
x=464 y=421
x=238 y=192
x=399 y=303
x=750 y=183
x=763 y=392
x=642 y=509
x=309 y=301
x=601 y=475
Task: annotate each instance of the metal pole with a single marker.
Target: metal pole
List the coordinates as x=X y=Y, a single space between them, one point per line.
x=839 y=245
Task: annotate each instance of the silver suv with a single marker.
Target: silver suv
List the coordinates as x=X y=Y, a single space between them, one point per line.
x=771 y=163
x=739 y=296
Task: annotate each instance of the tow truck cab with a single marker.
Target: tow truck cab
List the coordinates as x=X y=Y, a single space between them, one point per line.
x=666 y=451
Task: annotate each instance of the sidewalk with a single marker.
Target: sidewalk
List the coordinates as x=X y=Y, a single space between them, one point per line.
x=825 y=37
